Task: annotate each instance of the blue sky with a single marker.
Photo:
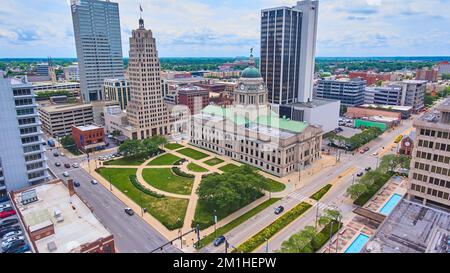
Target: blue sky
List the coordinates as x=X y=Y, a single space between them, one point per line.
x=183 y=28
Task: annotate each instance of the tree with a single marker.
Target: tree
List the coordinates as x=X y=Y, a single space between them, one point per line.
x=356 y=190
x=300 y=242
x=393 y=162
x=150 y=146
x=329 y=216
x=132 y=148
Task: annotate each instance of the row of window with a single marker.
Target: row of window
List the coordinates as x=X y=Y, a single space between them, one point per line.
x=432 y=145
x=434 y=157
x=432 y=133
x=429 y=191
x=433 y=169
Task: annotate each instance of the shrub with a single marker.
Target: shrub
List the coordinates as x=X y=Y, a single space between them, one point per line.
x=143 y=189
x=272 y=229
x=324 y=235
x=373 y=189
x=179 y=172
x=320 y=193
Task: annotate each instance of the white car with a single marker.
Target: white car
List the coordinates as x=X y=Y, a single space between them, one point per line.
x=66 y=174
x=376 y=154
x=6 y=242
x=61 y=154
x=94 y=182
x=12 y=234
x=5 y=206
x=75 y=165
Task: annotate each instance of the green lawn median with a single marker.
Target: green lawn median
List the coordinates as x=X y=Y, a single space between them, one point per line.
x=320 y=193
x=236 y=222
x=272 y=229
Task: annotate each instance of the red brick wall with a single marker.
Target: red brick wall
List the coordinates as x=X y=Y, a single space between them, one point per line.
x=90 y=137
x=356 y=112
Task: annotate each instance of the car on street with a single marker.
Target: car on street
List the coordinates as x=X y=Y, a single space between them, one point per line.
x=375 y=154
x=6 y=213
x=15 y=233
x=55 y=154
x=66 y=174
x=368 y=169
x=57 y=164
x=7 y=246
x=94 y=182
x=360 y=174
x=129 y=211
x=218 y=241
x=67 y=166
x=279 y=210
x=76 y=184
x=8 y=222
x=61 y=154
x=18 y=248
x=75 y=165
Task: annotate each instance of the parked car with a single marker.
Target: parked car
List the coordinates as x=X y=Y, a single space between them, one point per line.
x=18 y=248
x=129 y=211
x=12 y=234
x=94 y=182
x=218 y=241
x=66 y=174
x=67 y=166
x=375 y=154
x=8 y=222
x=7 y=246
x=5 y=207
x=57 y=164
x=6 y=213
x=279 y=210
x=75 y=165
x=7 y=230
x=360 y=174
x=62 y=154
x=55 y=154
x=8 y=241
x=76 y=184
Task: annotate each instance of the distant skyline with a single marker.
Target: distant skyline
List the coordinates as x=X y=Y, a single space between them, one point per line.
x=208 y=28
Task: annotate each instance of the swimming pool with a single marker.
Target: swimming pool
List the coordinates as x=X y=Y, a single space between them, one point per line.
x=358 y=244
x=390 y=205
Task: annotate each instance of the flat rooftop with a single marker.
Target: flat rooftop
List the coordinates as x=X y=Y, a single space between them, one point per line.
x=80 y=226
x=316 y=102
x=387 y=107
x=64 y=107
x=88 y=128
x=411 y=228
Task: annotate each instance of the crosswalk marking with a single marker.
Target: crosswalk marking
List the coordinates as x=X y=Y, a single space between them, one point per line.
x=297 y=196
x=321 y=206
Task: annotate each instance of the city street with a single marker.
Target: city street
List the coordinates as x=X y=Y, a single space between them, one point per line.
x=131 y=233
x=336 y=196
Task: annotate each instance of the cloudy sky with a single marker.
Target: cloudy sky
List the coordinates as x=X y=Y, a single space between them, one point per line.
x=40 y=28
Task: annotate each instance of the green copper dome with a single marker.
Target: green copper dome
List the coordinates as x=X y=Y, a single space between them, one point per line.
x=251 y=72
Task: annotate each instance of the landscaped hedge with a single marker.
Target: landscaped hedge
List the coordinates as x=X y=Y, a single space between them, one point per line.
x=373 y=189
x=179 y=172
x=272 y=229
x=319 y=194
x=324 y=235
x=180 y=162
x=143 y=189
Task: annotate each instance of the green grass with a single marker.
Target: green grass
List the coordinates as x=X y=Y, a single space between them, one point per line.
x=213 y=162
x=228 y=168
x=196 y=168
x=236 y=222
x=272 y=229
x=274 y=186
x=166 y=180
x=167 y=210
x=126 y=161
x=164 y=160
x=194 y=154
x=320 y=193
x=173 y=146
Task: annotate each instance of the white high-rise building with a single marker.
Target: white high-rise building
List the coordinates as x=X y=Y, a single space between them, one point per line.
x=22 y=159
x=288 y=47
x=99 y=46
x=71 y=73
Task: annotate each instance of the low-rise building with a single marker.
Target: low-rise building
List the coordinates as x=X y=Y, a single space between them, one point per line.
x=117 y=90
x=58 y=120
x=362 y=112
x=349 y=91
x=194 y=97
x=71 y=73
x=406 y=111
x=89 y=138
x=56 y=220
x=429 y=75
x=370 y=77
x=444 y=68
x=384 y=95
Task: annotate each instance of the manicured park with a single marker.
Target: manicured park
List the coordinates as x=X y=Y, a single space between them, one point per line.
x=166 y=180
x=191 y=153
x=229 y=168
x=213 y=162
x=173 y=146
x=196 y=168
x=165 y=160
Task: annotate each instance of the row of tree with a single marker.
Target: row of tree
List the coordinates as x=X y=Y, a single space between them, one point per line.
x=143 y=148
x=355 y=141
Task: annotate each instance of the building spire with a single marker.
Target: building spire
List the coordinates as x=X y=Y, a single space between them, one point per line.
x=251 y=62
x=141 y=21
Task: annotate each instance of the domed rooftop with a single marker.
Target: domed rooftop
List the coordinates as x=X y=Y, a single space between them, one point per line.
x=251 y=73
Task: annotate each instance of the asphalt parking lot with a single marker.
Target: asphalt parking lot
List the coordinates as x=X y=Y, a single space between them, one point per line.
x=18 y=224
x=349 y=132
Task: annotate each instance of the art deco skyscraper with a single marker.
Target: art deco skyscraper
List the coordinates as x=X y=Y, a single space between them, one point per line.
x=288 y=46
x=99 y=46
x=146 y=110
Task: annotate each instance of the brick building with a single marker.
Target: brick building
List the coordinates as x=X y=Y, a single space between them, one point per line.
x=89 y=138
x=370 y=77
x=194 y=97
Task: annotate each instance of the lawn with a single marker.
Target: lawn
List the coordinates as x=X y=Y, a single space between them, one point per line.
x=164 y=160
x=274 y=186
x=236 y=222
x=126 y=161
x=166 y=180
x=173 y=146
x=228 y=168
x=194 y=154
x=320 y=193
x=213 y=162
x=196 y=168
x=167 y=210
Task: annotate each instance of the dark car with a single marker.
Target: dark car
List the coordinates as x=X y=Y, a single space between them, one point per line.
x=7 y=230
x=55 y=154
x=18 y=249
x=360 y=174
x=129 y=211
x=57 y=164
x=14 y=245
x=8 y=222
x=76 y=184
x=218 y=241
x=67 y=166
x=368 y=169
x=279 y=210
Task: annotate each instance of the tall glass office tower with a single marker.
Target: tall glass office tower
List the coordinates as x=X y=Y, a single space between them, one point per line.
x=288 y=45
x=99 y=46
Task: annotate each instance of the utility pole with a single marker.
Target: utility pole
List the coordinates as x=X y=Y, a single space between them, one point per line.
x=215 y=223
x=317 y=213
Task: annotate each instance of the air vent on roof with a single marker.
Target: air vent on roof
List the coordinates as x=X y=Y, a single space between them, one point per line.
x=28 y=197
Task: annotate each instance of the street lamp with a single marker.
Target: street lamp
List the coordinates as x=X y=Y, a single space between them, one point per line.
x=267 y=245
x=215 y=223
